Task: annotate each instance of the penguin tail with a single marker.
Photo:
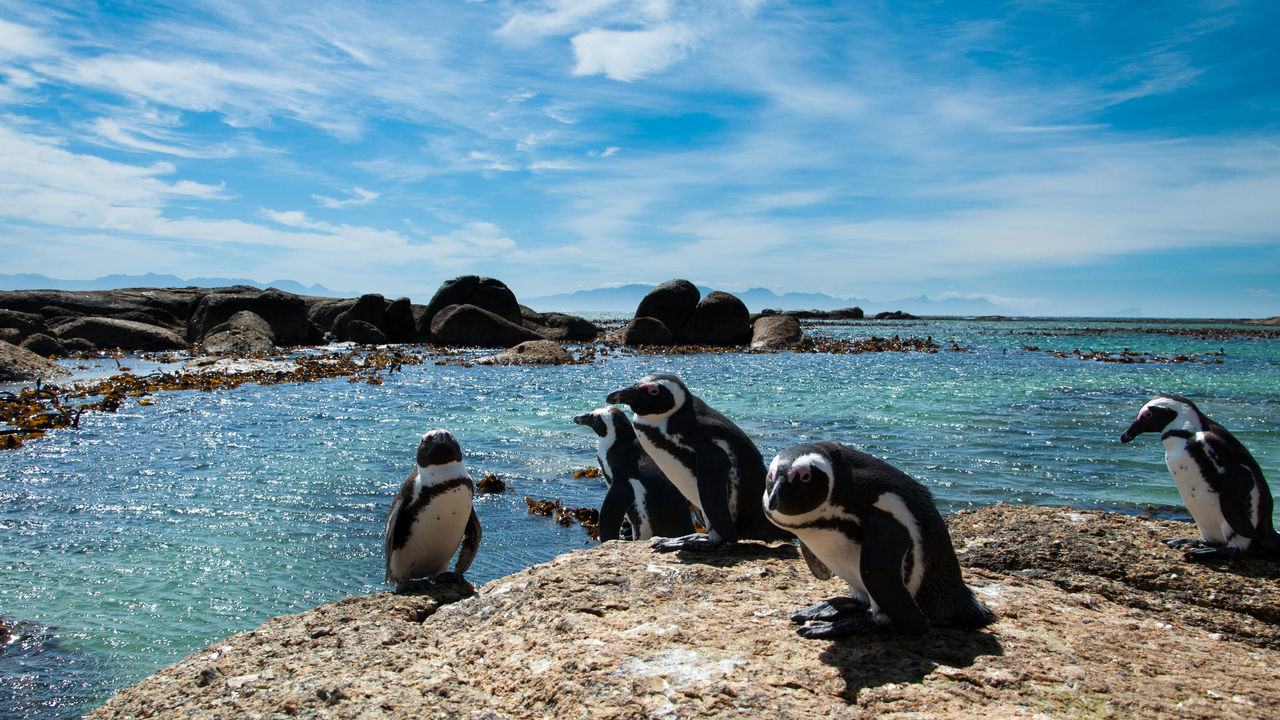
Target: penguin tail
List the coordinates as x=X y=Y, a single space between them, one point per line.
x=972 y=614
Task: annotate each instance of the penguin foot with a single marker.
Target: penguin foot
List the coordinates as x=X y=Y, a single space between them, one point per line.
x=449 y=576
x=832 y=630
x=833 y=609
x=1200 y=554
x=1179 y=543
x=413 y=587
x=697 y=542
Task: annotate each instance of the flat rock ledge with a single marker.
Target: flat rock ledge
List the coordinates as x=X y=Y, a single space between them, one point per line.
x=1097 y=619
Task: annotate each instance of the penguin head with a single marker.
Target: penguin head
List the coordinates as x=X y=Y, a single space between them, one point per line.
x=1161 y=412
x=799 y=481
x=604 y=421
x=653 y=396
x=438 y=447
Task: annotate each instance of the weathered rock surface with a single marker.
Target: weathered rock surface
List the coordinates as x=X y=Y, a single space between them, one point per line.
x=1097 y=619
x=895 y=315
x=1273 y=321
x=44 y=345
x=474 y=326
x=284 y=312
x=644 y=331
x=130 y=335
x=532 y=352
x=671 y=302
x=718 y=319
x=19 y=364
x=489 y=294
x=559 y=326
x=243 y=332
x=775 y=331
x=371 y=310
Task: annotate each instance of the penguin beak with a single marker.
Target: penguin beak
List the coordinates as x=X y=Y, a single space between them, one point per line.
x=1133 y=431
x=584 y=419
x=623 y=397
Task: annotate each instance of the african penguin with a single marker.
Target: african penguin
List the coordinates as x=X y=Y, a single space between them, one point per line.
x=1219 y=481
x=710 y=460
x=637 y=488
x=430 y=517
x=877 y=529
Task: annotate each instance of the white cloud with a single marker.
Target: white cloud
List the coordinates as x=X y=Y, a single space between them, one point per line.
x=358 y=196
x=628 y=55
x=22 y=41
x=146 y=139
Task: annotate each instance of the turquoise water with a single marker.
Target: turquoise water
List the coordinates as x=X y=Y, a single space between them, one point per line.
x=147 y=534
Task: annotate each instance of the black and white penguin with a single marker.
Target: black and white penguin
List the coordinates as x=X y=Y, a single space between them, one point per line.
x=710 y=461
x=431 y=516
x=1219 y=481
x=637 y=488
x=877 y=529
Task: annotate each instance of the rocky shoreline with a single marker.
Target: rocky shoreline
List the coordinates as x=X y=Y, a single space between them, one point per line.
x=1097 y=618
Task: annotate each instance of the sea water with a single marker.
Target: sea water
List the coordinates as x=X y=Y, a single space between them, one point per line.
x=144 y=535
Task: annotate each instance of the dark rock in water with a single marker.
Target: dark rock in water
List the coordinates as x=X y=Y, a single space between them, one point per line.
x=167 y=307
x=474 y=326
x=42 y=344
x=323 y=311
x=25 y=323
x=645 y=331
x=244 y=332
x=559 y=326
x=285 y=313
x=78 y=345
x=531 y=352
x=13 y=336
x=720 y=319
x=359 y=331
x=775 y=331
x=401 y=322
x=672 y=303
x=17 y=364
x=370 y=309
x=895 y=315
x=126 y=335
x=849 y=313
x=485 y=293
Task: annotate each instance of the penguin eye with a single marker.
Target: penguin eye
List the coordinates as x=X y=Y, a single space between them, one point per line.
x=652 y=389
x=805 y=476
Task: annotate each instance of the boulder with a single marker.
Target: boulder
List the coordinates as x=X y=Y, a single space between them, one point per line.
x=285 y=313
x=559 y=326
x=401 y=322
x=244 y=332
x=672 y=302
x=485 y=293
x=25 y=323
x=166 y=307
x=532 y=352
x=849 y=313
x=775 y=331
x=474 y=326
x=720 y=319
x=895 y=315
x=42 y=344
x=323 y=311
x=18 y=365
x=369 y=309
x=644 y=331
x=359 y=331
x=13 y=336
x=123 y=334
x=78 y=345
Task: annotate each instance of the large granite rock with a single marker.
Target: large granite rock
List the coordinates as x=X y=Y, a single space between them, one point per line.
x=532 y=352
x=323 y=311
x=371 y=311
x=165 y=307
x=126 y=335
x=559 y=326
x=776 y=331
x=719 y=319
x=672 y=302
x=469 y=325
x=244 y=332
x=488 y=294
x=284 y=312
x=44 y=345
x=18 y=365
x=644 y=331
x=401 y=322
x=1097 y=618
x=25 y=323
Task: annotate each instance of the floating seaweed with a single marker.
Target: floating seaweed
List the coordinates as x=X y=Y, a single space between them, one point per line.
x=1128 y=356
x=590 y=472
x=588 y=518
x=491 y=484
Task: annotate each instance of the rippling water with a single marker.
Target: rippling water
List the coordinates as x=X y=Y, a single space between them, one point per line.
x=147 y=534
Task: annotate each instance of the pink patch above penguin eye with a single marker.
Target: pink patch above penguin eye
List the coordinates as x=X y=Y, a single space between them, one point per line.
x=650 y=388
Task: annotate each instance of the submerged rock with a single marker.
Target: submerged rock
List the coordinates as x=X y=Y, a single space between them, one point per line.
x=1098 y=619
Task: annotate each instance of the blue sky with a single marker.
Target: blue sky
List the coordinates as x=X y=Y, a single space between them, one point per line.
x=1055 y=157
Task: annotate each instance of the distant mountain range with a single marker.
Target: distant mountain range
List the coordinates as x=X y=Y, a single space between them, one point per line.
x=31 y=281
x=625 y=298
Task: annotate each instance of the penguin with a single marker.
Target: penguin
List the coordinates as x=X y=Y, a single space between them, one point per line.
x=637 y=488
x=431 y=516
x=1218 y=480
x=876 y=528
x=710 y=461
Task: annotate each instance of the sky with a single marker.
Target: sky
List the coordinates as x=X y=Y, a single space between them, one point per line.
x=1056 y=157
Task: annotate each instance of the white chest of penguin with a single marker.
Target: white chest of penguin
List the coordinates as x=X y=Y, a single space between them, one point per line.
x=1200 y=499
x=435 y=534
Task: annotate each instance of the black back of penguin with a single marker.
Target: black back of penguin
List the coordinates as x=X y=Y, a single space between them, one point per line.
x=860 y=482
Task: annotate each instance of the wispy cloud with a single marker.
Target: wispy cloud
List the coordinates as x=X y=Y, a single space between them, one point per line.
x=357 y=196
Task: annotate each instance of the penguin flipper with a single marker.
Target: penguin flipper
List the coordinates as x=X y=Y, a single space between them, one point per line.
x=393 y=529
x=885 y=543
x=617 y=500
x=470 y=544
x=816 y=566
x=712 y=470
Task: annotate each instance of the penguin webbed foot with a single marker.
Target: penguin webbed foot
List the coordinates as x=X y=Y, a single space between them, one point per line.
x=1203 y=553
x=416 y=586
x=451 y=577
x=1180 y=543
x=697 y=542
x=832 y=609
x=834 y=630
